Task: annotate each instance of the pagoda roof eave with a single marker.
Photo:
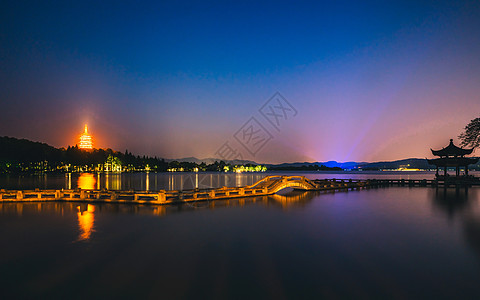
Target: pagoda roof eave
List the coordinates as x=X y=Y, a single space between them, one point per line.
x=452 y=150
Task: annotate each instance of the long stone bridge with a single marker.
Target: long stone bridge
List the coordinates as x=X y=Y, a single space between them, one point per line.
x=267 y=186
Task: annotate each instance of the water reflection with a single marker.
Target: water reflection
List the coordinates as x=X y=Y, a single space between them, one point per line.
x=147 y=182
x=471 y=231
x=293 y=199
x=86 y=220
x=367 y=244
x=86 y=181
x=182 y=180
x=113 y=181
x=461 y=204
x=85 y=212
x=451 y=200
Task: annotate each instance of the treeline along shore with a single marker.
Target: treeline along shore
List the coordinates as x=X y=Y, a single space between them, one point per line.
x=24 y=156
x=21 y=156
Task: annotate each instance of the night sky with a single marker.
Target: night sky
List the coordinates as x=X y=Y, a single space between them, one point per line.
x=368 y=81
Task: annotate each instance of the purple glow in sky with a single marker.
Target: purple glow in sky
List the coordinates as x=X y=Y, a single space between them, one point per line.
x=370 y=81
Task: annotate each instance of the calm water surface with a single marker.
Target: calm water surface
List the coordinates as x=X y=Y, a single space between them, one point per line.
x=397 y=242
x=179 y=181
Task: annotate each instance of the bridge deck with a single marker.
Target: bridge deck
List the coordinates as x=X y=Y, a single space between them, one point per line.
x=267 y=186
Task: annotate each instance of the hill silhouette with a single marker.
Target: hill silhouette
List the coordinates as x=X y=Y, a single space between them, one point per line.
x=21 y=155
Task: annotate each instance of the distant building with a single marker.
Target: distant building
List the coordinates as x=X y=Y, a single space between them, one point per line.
x=85 y=141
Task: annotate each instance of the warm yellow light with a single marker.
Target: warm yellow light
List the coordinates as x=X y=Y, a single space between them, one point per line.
x=86 y=221
x=86 y=181
x=86 y=141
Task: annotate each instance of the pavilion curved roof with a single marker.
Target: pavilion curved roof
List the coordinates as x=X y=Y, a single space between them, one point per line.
x=452 y=150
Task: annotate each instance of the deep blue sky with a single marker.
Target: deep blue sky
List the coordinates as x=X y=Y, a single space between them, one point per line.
x=370 y=80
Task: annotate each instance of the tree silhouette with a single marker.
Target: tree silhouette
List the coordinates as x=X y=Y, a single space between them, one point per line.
x=18 y=156
x=471 y=135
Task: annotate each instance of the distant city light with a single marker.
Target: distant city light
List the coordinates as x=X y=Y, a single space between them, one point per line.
x=85 y=140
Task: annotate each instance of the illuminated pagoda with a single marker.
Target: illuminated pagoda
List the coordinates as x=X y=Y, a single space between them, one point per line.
x=452 y=156
x=85 y=141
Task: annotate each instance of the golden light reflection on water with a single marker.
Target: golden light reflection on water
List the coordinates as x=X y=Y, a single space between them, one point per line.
x=293 y=199
x=113 y=181
x=86 y=220
x=147 y=182
x=86 y=212
x=86 y=181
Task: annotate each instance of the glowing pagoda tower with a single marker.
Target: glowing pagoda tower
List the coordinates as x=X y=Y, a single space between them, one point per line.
x=85 y=140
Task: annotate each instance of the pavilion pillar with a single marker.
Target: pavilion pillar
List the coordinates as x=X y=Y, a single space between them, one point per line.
x=466 y=170
x=437 y=172
x=445 y=172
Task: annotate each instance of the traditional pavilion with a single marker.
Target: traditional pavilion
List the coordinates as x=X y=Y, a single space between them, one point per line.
x=452 y=156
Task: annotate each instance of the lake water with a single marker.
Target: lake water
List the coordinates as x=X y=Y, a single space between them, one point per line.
x=179 y=181
x=395 y=242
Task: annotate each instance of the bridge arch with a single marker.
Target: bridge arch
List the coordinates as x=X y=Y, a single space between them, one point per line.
x=274 y=184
